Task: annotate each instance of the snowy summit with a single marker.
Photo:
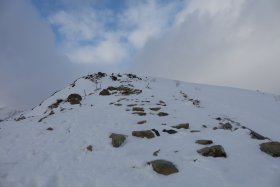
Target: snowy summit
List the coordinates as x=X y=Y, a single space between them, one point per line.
x=124 y=130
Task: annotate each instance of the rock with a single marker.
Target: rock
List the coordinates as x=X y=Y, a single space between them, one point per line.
x=162 y=114
x=143 y=134
x=89 y=148
x=271 y=148
x=257 y=136
x=193 y=131
x=140 y=113
x=171 y=131
x=20 y=118
x=204 y=142
x=141 y=122
x=138 y=109
x=204 y=126
x=114 y=78
x=49 y=129
x=118 y=104
x=74 y=99
x=155 y=109
x=117 y=139
x=156 y=132
x=163 y=167
x=226 y=126
x=182 y=126
x=105 y=92
x=156 y=153
x=55 y=104
x=218 y=118
x=215 y=128
x=214 y=151
x=131 y=105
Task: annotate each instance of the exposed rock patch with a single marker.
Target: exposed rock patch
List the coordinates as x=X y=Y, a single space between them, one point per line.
x=74 y=99
x=255 y=135
x=162 y=114
x=143 y=134
x=163 y=167
x=117 y=139
x=171 y=131
x=271 y=148
x=89 y=148
x=155 y=109
x=55 y=104
x=140 y=113
x=156 y=132
x=50 y=129
x=213 y=151
x=141 y=122
x=182 y=126
x=104 y=92
x=204 y=142
x=138 y=109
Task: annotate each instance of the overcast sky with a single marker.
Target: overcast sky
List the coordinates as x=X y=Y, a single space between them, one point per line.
x=45 y=45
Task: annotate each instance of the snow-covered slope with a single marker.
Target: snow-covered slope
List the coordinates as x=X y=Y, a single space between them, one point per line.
x=6 y=113
x=58 y=144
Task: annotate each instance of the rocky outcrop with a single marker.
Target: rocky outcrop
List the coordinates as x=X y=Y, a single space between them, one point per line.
x=74 y=99
x=271 y=148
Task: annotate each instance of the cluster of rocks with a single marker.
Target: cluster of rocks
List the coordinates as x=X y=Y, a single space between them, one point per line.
x=122 y=90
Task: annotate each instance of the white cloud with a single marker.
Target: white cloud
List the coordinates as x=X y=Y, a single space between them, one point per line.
x=224 y=42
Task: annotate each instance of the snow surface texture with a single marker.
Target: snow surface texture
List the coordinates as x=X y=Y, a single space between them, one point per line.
x=6 y=113
x=32 y=156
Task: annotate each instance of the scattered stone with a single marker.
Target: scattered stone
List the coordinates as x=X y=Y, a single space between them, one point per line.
x=163 y=167
x=117 y=139
x=271 y=148
x=141 y=122
x=243 y=127
x=156 y=132
x=182 y=126
x=162 y=114
x=204 y=142
x=74 y=99
x=156 y=152
x=155 y=109
x=20 y=118
x=131 y=105
x=193 y=131
x=171 y=131
x=138 y=109
x=204 y=126
x=218 y=118
x=51 y=113
x=124 y=90
x=89 y=148
x=118 y=104
x=163 y=124
x=105 y=92
x=226 y=126
x=214 y=151
x=40 y=120
x=140 y=113
x=257 y=136
x=114 y=78
x=50 y=129
x=55 y=104
x=215 y=128
x=143 y=134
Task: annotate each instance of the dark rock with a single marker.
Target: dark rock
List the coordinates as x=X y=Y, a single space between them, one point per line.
x=214 y=151
x=156 y=152
x=226 y=126
x=182 y=126
x=89 y=148
x=104 y=92
x=131 y=105
x=114 y=78
x=257 y=136
x=155 y=109
x=218 y=118
x=171 y=131
x=40 y=120
x=139 y=113
x=215 y=128
x=156 y=132
x=162 y=114
x=141 y=122
x=118 y=104
x=138 y=109
x=74 y=99
x=271 y=148
x=163 y=167
x=55 y=104
x=143 y=134
x=204 y=126
x=193 y=131
x=51 y=113
x=117 y=139
x=20 y=118
x=204 y=142
x=50 y=129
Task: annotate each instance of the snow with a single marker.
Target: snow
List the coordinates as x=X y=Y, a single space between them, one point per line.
x=31 y=156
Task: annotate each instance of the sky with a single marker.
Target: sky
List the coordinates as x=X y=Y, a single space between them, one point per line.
x=45 y=45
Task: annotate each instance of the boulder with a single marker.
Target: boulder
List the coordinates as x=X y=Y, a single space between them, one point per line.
x=138 y=109
x=255 y=135
x=182 y=126
x=271 y=148
x=226 y=126
x=117 y=139
x=105 y=92
x=204 y=142
x=214 y=151
x=74 y=99
x=163 y=167
x=143 y=134
x=162 y=114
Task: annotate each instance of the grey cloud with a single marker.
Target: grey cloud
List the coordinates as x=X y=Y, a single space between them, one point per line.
x=30 y=67
x=232 y=50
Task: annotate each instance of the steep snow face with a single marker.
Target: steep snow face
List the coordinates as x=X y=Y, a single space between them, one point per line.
x=63 y=144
